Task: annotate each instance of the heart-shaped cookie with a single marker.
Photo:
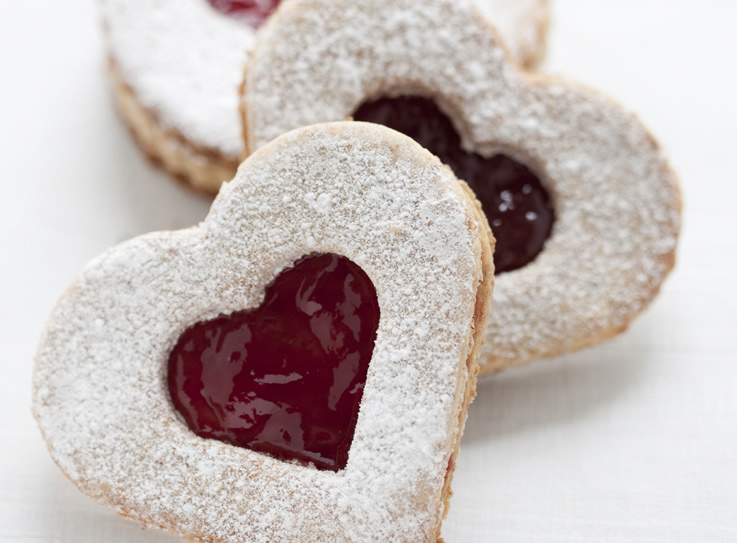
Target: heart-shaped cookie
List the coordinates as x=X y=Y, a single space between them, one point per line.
x=358 y=192
x=614 y=201
x=176 y=66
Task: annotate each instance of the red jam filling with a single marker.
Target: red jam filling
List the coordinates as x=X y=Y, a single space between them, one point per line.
x=252 y=12
x=516 y=204
x=287 y=378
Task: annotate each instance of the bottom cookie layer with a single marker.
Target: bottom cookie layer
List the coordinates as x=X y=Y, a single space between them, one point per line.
x=203 y=169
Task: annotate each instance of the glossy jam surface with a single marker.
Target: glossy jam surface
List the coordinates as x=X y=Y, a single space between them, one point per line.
x=287 y=378
x=516 y=204
x=252 y=12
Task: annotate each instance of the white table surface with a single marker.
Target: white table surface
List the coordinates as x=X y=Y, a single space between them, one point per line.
x=631 y=441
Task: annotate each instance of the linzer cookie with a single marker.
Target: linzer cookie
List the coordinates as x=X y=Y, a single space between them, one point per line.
x=581 y=200
x=297 y=367
x=176 y=66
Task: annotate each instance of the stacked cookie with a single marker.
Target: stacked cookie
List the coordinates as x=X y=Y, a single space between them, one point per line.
x=299 y=366
x=176 y=66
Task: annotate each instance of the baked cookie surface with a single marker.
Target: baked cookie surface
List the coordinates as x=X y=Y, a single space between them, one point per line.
x=176 y=66
x=357 y=190
x=616 y=200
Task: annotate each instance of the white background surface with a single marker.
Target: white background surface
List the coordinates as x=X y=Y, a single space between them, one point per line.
x=632 y=441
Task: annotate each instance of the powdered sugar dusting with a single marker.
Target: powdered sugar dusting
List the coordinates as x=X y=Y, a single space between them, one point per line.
x=184 y=60
x=616 y=200
x=99 y=385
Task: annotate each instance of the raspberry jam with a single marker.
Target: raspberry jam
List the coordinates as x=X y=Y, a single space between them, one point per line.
x=516 y=204
x=287 y=378
x=252 y=12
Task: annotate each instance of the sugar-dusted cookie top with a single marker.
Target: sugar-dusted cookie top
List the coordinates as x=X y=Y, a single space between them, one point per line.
x=609 y=193
x=357 y=190
x=184 y=61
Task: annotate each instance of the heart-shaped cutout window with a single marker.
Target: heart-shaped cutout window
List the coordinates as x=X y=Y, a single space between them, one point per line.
x=287 y=378
x=514 y=200
x=252 y=12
